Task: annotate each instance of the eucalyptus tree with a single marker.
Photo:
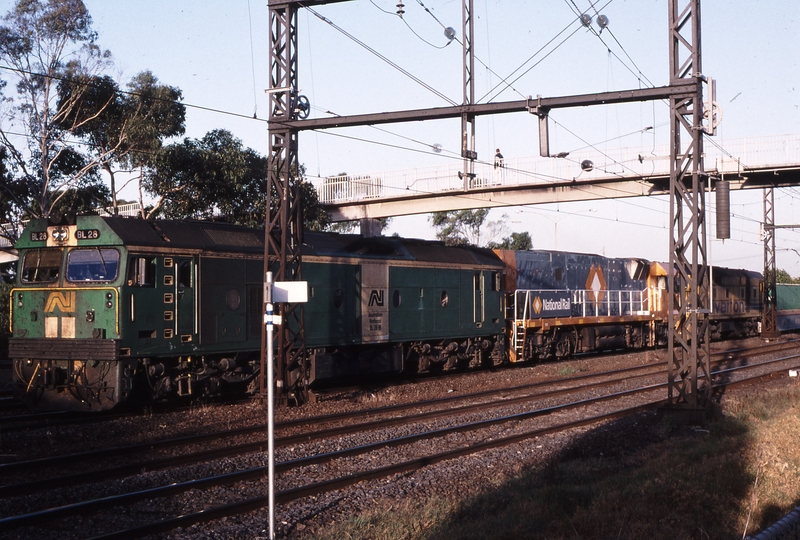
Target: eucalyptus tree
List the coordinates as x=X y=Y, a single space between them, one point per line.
x=459 y=227
x=517 y=241
x=217 y=177
x=42 y=43
x=124 y=130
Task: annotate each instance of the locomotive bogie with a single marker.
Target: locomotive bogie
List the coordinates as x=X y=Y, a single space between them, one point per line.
x=75 y=384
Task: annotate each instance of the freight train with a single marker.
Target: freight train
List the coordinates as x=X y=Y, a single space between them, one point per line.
x=106 y=308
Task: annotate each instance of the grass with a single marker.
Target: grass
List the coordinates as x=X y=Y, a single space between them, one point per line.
x=638 y=478
x=572 y=369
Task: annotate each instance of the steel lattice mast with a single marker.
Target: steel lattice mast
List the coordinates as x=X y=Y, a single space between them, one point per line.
x=689 y=373
x=689 y=337
x=284 y=227
x=770 y=316
x=468 y=117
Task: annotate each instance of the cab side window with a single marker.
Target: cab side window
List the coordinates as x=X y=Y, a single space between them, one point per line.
x=185 y=273
x=41 y=266
x=142 y=271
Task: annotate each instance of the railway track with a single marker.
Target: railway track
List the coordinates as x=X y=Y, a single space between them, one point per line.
x=437 y=408
x=502 y=397
x=321 y=486
x=32 y=421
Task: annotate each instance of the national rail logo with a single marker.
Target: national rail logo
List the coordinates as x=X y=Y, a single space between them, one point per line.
x=64 y=301
x=537 y=305
x=375 y=298
x=596 y=283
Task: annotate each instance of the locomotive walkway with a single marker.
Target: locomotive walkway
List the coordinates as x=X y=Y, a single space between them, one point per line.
x=587 y=174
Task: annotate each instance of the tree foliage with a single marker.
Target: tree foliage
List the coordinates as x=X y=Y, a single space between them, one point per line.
x=517 y=241
x=782 y=276
x=217 y=177
x=461 y=227
x=68 y=122
x=45 y=42
x=124 y=130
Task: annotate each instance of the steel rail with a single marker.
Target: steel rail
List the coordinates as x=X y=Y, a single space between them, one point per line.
x=172 y=489
x=305 y=437
x=318 y=420
x=259 y=472
x=16 y=423
x=318 y=488
x=159 y=464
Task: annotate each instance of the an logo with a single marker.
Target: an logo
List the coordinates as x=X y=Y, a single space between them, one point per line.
x=376 y=298
x=537 y=305
x=64 y=301
x=596 y=283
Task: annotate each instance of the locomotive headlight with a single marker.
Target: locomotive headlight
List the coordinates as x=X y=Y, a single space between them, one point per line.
x=60 y=234
x=109 y=296
x=19 y=300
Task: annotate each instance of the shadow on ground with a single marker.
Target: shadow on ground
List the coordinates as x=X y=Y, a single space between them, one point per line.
x=636 y=478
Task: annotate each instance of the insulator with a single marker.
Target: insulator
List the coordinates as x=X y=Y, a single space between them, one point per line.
x=586 y=20
x=587 y=165
x=400 y=9
x=723 y=188
x=602 y=21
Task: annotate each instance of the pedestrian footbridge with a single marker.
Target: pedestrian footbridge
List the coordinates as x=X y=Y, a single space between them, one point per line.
x=583 y=175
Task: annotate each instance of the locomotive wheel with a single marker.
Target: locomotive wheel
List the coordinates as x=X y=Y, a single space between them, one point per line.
x=563 y=346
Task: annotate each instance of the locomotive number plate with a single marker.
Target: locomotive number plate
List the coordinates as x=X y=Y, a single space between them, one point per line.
x=87 y=234
x=39 y=236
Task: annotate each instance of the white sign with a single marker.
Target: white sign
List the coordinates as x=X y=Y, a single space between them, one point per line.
x=293 y=292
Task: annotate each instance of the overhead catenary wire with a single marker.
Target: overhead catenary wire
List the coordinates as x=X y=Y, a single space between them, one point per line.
x=637 y=72
x=380 y=56
x=252 y=60
x=219 y=111
x=138 y=94
x=245 y=116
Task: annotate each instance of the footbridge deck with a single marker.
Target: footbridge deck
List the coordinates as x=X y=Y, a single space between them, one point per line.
x=623 y=172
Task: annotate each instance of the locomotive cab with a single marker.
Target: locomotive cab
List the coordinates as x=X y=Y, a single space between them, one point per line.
x=65 y=318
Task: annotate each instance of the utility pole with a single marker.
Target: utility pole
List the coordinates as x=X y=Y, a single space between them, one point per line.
x=284 y=226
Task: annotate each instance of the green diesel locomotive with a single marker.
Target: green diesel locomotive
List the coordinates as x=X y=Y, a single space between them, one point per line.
x=106 y=308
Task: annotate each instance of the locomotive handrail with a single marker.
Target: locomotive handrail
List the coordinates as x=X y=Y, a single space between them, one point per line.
x=581 y=303
x=535 y=303
x=610 y=303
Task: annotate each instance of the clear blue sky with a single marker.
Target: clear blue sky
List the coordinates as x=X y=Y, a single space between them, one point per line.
x=217 y=54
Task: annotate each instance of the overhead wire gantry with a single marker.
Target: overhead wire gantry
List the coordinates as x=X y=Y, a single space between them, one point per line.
x=689 y=373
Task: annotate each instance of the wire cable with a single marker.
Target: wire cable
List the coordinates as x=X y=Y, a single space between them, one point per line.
x=137 y=94
x=579 y=13
x=252 y=61
x=380 y=56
